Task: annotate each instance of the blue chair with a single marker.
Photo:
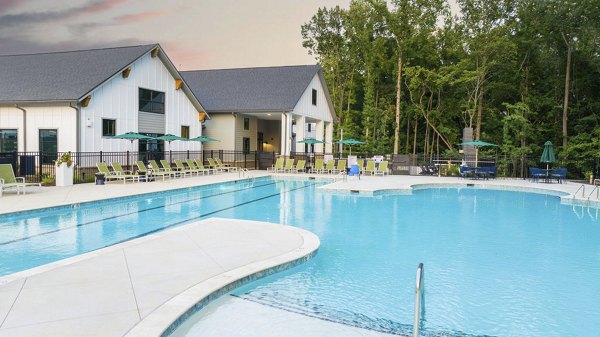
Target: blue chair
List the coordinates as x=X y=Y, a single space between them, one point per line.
x=560 y=174
x=465 y=171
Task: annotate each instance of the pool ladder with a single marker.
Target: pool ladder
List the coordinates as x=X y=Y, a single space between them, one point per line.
x=419 y=297
x=597 y=190
x=243 y=172
x=582 y=189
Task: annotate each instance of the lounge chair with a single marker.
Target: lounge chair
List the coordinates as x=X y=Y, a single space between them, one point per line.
x=319 y=166
x=141 y=168
x=289 y=164
x=560 y=174
x=300 y=166
x=200 y=165
x=111 y=175
x=167 y=168
x=119 y=169
x=213 y=165
x=341 y=166
x=227 y=167
x=329 y=167
x=180 y=167
x=370 y=169
x=9 y=181
x=360 y=163
x=382 y=168
x=193 y=166
x=277 y=166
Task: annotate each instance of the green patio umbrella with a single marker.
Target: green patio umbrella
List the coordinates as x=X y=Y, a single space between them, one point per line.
x=350 y=142
x=204 y=139
x=548 y=154
x=477 y=144
x=131 y=136
x=169 y=138
x=311 y=141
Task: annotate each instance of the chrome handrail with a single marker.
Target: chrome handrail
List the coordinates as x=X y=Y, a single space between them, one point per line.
x=244 y=172
x=597 y=190
x=582 y=189
x=418 y=296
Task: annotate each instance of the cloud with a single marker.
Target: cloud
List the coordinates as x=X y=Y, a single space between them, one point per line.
x=101 y=6
x=124 y=19
x=7 y=4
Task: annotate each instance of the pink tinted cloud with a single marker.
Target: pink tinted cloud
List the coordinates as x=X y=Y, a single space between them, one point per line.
x=124 y=19
x=187 y=57
x=7 y=4
x=101 y=6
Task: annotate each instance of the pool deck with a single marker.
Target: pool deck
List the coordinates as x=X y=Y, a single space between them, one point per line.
x=145 y=283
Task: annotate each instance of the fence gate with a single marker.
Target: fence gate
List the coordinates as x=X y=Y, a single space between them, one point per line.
x=265 y=160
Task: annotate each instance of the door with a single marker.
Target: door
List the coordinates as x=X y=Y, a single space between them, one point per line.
x=259 y=142
x=246 y=145
x=48 y=139
x=151 y=148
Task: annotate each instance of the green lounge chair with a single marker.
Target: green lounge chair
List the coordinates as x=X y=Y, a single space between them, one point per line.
x=110 y=175
x=289 y=164
x=360 y=163
x=227 y=167
x=300 y=166
x=9 y=181
x=213 y=165
x=152 y=173
x=278 y=165
x=181 y=168
x=329 y=167
x=206 y=169
x=193 y=166
x=167 y=168
x=120 y=171
x=370 y=169
x=341 y=166
x=382 y=169
x=319 y=166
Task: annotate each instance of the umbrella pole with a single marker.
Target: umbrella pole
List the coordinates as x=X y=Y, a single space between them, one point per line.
x=476 y=156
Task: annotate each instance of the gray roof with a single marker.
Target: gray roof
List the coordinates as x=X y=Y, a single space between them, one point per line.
x=62 y=76
x=250 y=89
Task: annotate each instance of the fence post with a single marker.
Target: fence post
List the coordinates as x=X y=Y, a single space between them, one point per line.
x=128 y=160
x=244 y=159
x=102 y=161
x=188 y=154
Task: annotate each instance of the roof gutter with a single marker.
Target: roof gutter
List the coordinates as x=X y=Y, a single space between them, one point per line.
x=24 y=127
x=77 y=125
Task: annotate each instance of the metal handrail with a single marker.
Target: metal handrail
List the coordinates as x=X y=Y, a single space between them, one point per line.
x=244 y=172
x=418 y=296
x=342 y=176
x=582 y=189
x=597 y=190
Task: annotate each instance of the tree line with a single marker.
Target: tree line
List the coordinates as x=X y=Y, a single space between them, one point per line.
x=407 y=75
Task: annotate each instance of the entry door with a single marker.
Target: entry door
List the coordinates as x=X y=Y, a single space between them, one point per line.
x=48 y=139
x=259 y=142
x=246 y=145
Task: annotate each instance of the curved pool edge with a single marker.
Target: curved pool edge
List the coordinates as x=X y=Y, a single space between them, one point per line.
x=165 y=319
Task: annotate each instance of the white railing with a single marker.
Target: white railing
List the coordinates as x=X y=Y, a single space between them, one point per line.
x=418 y=297
x=582 y=189
x=341 y=176
x=597 y=190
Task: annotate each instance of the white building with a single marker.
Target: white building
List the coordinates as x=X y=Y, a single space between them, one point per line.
x=76 y=100
x=265 y=109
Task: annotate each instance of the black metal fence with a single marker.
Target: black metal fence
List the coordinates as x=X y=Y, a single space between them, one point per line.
x=39 y=166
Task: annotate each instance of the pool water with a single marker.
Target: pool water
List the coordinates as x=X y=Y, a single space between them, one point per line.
x=497 y=263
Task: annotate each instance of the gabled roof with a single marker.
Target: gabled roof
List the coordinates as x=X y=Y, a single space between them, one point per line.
x=71 y=75
x=250 y=89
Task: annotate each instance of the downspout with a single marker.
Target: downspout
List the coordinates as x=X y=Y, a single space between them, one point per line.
x=77 y=125
x=24 y=127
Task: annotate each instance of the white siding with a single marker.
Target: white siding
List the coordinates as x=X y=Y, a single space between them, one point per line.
x=221 y=127
x=304 y=107
x=240 y=133
x=60 y=117
x=118 y=99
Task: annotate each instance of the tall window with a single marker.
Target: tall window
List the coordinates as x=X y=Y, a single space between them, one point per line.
x=246 y=145
x=246 y=123
x=8 y=140
x=152 y=101
x=109 y=127
x=185 y=131
x=314 y=97
x=48 y=145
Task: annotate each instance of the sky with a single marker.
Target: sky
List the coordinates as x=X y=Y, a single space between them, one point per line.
x=196 y=34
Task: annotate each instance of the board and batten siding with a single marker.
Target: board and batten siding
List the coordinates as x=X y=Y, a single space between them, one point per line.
x=304 y=107
x=240 y=133
x=221 y=127
x=62 y=118
x=118 y=99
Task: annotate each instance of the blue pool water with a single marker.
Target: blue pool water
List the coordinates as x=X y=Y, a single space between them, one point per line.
x=497 y=263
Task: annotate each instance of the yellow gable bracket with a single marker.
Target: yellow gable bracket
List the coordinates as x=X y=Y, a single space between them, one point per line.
x=86 y=101
x=126 y=72
x=178 y=84
x=201 y=116
x=154 y=52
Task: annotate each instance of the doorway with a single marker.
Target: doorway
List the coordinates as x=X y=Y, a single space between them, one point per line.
x=48 y=139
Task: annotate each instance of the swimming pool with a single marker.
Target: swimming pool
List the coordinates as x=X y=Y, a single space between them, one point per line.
x=497 y=263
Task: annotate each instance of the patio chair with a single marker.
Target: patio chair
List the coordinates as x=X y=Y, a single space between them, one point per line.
x=370 y=169
x=227 y=167
x=277 y=166
x=560 y=174
x=300 y=166
x=181 y=168
x=536 y=173
x=141 y=168
x=360 y=163
x=193 y=166
x=110 y=175
x=465 y=171
x=9 y=181
x=382 y=168
x=119 y=169
x=341 y=166
x=167 y=168
x=289 y=164
x=208 y=170
x=319 y=166
x=213 y=165
x=329 y=167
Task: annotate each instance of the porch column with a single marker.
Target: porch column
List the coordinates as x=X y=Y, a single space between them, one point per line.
x=329 y=137
x=286 y=133
x=319 y=129
x=300 y=132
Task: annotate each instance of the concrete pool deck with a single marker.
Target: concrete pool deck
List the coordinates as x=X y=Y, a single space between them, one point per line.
x=145 y=283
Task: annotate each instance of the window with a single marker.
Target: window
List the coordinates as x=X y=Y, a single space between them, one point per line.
x=314 y=96
x=151 y=101
x=185 y=131
x=48 y=145
x=8 y=140
x=109 y=127
x=309 y=126
x=246 y=145
x=246 y=123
